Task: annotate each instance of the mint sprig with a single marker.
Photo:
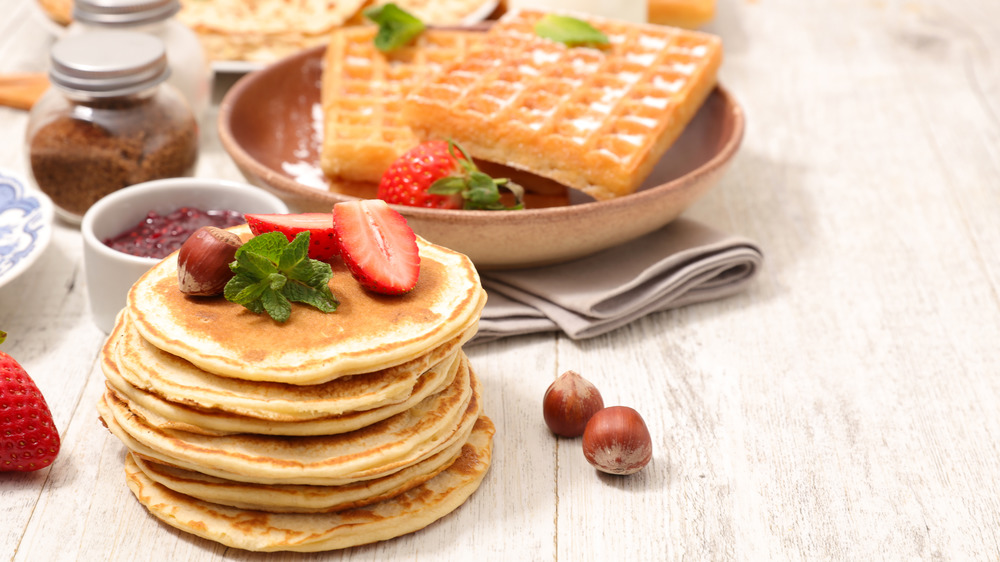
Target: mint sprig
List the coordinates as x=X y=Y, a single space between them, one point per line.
x=396 y=26
x=569 y=31
x=271 y=273
x=478 y=189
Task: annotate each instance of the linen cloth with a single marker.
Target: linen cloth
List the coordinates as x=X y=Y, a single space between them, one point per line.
x=682 y=263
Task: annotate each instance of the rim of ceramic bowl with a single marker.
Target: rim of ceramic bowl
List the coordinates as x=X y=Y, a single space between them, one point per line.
x=140 y=189
x=275 y=181
x=44 y=221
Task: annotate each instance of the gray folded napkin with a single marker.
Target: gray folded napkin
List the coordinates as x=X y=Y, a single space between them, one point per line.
x=684 y=262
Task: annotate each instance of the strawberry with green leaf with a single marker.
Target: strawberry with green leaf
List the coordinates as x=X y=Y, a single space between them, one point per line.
x=28 y=437
x=270 y=273
x=441 y=175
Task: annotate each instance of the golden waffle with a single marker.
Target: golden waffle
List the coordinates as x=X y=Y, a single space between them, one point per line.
x=595 y=120
x=362 y=93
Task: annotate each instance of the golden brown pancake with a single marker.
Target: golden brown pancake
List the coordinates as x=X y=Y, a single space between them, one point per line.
x=367 y=332
x=148 y=368
x=326 y=431
x=293 y=498
x=373 y=452
x=164 y=414
x=263 y=531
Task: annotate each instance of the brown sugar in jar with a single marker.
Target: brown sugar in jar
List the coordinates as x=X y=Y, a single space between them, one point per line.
x=108 y=121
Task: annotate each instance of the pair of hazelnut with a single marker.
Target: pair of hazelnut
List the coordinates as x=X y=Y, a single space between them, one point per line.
x=615 y=439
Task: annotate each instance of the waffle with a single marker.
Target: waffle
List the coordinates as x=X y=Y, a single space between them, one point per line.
x=595 y=120
x=362 y=95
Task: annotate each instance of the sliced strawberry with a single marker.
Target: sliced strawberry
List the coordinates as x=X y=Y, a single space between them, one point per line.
x=377 y=245
x=322 y=236
x=28 y=437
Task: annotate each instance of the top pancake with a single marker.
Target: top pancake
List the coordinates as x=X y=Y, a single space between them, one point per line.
x=367 y=332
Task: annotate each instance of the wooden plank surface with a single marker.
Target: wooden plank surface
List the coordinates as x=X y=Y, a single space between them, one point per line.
x=845 y=407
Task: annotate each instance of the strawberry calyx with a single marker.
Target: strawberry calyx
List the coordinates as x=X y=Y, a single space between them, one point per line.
x=479 y=191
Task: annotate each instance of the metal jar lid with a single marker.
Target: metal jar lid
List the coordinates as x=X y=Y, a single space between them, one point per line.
x=124 y=12
x=108 y=63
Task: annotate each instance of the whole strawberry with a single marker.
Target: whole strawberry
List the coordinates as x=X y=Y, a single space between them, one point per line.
x=28 y=438
x=440 y=175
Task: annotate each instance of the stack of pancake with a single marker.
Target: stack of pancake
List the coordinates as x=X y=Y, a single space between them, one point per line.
x=323 y=432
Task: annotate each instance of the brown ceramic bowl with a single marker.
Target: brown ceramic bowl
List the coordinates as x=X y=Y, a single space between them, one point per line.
x=269 y=122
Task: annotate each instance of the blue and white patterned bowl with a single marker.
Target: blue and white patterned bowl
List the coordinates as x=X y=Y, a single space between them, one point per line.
x=25 y=225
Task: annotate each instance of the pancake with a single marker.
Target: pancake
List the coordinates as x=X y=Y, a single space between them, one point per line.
x=148 y=368
x=366 y=333
x=312 y=17
x=164 y=414
x=263 y=531
x=293 y=498
x=372 y=452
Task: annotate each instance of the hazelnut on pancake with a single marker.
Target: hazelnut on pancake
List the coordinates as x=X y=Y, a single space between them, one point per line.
x=367 y=332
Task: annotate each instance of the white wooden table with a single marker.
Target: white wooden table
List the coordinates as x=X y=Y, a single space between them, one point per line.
x=846 y=407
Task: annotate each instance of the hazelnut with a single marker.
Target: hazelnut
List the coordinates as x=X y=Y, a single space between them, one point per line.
x=569 y=402
x=617 y=441
x=203 y=261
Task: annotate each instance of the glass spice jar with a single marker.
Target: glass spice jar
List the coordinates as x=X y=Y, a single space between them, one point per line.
x=189 y=69
x=108 y=121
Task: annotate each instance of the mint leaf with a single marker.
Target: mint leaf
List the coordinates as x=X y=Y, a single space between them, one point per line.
x=270 y=273
x=396 y=27
x=309 y=295
x=245 y=289
x=296 y=252
x=276 y=305
x=569 y=31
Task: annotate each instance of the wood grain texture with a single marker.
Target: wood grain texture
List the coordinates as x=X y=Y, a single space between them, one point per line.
x=845 y=407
